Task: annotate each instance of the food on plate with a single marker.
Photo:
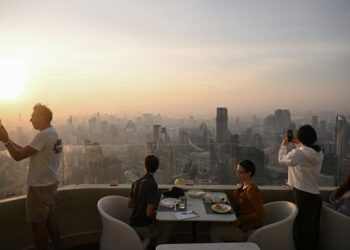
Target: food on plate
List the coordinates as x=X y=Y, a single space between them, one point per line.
x=221 y=208
x=218 y=207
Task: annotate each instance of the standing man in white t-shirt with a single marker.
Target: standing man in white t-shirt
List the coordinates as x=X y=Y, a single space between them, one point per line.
x=44 y=153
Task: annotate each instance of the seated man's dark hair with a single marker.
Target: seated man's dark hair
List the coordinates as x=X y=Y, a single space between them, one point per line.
x=151 y=163
x=44 y=111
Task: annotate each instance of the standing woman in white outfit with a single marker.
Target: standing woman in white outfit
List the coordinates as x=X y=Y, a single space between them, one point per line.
x=304 y=166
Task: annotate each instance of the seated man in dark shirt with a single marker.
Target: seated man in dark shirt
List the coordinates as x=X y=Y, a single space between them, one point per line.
x=144 y=195
x=143 y=200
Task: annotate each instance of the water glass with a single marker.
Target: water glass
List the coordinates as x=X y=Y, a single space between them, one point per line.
x=182 y=202
x=207 y=197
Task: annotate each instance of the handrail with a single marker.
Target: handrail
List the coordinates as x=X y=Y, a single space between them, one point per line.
x=77 y=211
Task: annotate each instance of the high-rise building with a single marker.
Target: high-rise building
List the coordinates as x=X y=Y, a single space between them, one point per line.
x=282 y=119
x=269 y=122
x=70 y=123
x=221 y=125
x=183 y=137
x=164 y=135
x=342 y=137
x=322 y=125
x=156 y=132
x=93 y=124
x=314 y=122
x=203 y=134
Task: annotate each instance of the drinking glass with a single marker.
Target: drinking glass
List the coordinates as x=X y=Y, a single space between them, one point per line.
x=207 y=197
x=182 y=202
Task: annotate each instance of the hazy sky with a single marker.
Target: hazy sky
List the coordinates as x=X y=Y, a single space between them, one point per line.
x=178 y=57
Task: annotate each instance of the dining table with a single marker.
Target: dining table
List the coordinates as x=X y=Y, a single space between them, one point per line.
x=210 y=246
x=201 y=209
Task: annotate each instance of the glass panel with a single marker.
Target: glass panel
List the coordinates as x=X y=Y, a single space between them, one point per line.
x=189 y=162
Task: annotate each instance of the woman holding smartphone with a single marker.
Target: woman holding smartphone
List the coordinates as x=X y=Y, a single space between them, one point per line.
x=304 y=166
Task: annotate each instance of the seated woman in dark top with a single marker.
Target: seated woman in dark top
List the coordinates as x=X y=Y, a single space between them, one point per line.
x=248 y=205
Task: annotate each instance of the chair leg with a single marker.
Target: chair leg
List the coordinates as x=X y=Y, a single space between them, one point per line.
x=145 y=243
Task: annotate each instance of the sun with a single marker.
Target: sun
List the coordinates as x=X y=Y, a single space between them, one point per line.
x=13 y=78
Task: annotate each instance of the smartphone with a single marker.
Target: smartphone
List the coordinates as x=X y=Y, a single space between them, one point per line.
x=290 y=135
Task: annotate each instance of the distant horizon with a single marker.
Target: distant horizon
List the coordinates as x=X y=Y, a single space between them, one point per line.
x=25 y=116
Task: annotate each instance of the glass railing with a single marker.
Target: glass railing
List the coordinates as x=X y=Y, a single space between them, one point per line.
x=206 y=164
x=12 y=176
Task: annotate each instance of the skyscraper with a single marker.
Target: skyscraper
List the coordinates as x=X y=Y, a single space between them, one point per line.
x=156 y=132
x=282 y=119
x=341 y=133
x=221 y=125
x=342 y=137
x=314 y=122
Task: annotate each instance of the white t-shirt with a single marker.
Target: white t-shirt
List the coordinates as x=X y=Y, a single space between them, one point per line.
x=304 y=167
x=43 y=166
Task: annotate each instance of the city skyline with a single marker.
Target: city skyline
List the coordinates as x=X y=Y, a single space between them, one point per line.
x=108 y=149
x=176 y=58
x=22 y=119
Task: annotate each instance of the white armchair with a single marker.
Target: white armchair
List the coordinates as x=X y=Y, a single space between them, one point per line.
x=116 y=233
x=334 y=229
x=277 y=230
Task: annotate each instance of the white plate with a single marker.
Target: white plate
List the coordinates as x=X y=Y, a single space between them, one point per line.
x=221 y=208
x=169 y=202
x=195 y=193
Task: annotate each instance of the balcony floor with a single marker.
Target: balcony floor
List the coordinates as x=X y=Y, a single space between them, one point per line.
x=89 y=246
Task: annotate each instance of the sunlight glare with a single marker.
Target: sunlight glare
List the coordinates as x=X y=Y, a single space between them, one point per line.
x=13 y=78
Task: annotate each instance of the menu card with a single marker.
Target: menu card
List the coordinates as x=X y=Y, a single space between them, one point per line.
x=186 y=215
